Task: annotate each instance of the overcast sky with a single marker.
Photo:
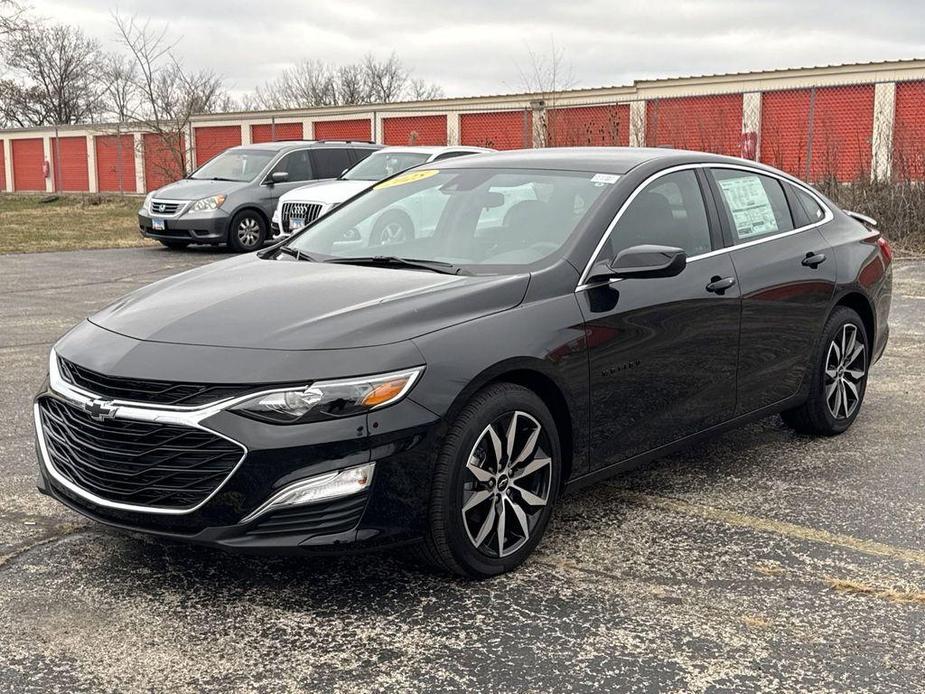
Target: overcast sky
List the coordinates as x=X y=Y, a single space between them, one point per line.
x=480 y=46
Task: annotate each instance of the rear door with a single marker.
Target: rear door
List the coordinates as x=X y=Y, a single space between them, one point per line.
x=330 y=162
x=662 y=351
x=786 y=273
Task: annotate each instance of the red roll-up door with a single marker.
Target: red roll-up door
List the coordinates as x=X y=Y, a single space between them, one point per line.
x=414 y=130
x=28 y=156
x=277 y=132
x=115 y=163
x=588 y=126
x=215 y=139
x=70 y=153
x=354 y=129
x=500 y=130
x=161 y=160
x=909 y=132
x=703 y=123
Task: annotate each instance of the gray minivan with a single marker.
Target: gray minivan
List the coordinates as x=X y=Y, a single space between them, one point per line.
x=230 y=199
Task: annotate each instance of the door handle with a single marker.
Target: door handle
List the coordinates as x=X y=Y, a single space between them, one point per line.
x=813 y=260
x=719 y=285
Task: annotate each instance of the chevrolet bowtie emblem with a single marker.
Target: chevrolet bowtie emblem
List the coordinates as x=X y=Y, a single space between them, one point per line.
x=100 y=410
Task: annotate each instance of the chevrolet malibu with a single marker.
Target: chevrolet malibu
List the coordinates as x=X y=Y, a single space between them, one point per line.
x=567 y=314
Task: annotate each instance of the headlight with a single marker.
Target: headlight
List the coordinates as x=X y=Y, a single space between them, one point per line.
x=146 y=205
x=207 y=204
x=325 y=400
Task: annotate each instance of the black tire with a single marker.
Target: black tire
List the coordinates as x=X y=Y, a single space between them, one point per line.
x=247 y=232
x=817 y=415
x=449 y=544
x=392 y=227
x=175 y=245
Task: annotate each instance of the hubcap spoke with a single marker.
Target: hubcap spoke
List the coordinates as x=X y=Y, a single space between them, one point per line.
x=530 y=468
x=511 y=435
x=481 y=474
x=502 y=517
x=486 y=526
x=521 y=518
x=495 y=443
x=476 y=499
x=529 y=497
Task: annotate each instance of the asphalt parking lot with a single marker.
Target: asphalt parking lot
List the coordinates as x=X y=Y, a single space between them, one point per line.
x=760 y=561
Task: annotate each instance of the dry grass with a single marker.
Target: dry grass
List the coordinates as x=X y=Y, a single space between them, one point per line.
x=71 y=222
x=901 y=595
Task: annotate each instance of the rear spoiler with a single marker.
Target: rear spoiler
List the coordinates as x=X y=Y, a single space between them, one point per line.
x=862 y=218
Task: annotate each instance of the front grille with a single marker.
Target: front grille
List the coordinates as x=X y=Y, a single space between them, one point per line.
x=162 y=207
x=138 y=463
x=306 y=211
x=326 y=518
x=139 y=390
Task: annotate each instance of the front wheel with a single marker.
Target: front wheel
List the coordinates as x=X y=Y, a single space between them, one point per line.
x=247 y=232
x=495 y=483
x=838 y=379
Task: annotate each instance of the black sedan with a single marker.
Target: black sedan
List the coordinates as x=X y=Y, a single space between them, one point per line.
x=556 y=316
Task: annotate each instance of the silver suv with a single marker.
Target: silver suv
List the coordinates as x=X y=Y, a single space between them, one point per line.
x=231 y=198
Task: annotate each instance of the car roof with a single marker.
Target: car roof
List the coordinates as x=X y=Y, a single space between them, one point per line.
x=280 y=145
x=616 y=160
x=433 y=149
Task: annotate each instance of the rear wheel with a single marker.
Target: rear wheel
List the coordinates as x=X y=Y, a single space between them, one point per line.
x=247 y=232
x=838 y=379
x=495 y=483
x=175 y=245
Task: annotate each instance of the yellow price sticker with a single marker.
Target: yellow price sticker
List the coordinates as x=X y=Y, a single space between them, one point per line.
x=409 y=177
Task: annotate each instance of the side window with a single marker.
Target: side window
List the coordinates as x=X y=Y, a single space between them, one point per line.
x=814 y=212
x=755 y=205
x=297 y=165
x=330 y=162
x=667 y=212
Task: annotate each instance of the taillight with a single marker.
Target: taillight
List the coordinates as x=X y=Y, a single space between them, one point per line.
x=885 y=250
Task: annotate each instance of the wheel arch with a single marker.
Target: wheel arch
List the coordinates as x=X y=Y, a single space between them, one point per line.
x=248 y=207
x=861 y=305
x=537 y=376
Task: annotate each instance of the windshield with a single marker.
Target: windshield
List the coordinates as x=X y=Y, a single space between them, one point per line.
x=235 y=165
x=384 y=164
x=465 y=217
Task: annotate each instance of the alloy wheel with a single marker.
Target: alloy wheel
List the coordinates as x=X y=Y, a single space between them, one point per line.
x=845 y=368
x=248 y=231
x=507 y=484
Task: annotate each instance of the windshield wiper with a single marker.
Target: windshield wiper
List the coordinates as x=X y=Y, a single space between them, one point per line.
x=395 y=261
x=219 y=178
x=296 y=253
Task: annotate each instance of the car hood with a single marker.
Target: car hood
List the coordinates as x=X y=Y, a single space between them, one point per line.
x=329 y=193
x=192 y=189
x=249 y=302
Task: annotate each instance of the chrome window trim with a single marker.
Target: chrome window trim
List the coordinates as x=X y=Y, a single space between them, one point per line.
x=828 y=217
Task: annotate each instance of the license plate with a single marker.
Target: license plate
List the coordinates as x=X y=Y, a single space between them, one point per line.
x=296 y=223
x=158 y=224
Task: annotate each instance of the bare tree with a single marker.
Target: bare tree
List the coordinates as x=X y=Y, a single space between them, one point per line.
x=168 y=95
x=547 y=75
x=312 y=83
x=11 y=17
x=56 y=74
x=119 y=75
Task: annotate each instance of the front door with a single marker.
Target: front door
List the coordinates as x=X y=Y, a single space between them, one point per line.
x=662 y=351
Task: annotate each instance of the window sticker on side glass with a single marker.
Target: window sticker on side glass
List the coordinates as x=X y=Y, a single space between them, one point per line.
x=751 y=209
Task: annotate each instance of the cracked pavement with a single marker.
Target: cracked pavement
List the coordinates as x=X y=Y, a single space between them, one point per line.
x=761 y=560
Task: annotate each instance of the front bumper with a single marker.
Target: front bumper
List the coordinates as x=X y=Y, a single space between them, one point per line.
x=401 y=440
x=206 y=227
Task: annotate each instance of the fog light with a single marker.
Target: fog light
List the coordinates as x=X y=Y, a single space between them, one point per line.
x=330 y=485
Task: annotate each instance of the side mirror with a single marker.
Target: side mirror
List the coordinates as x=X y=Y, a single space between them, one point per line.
x=278 y=177
x=642 y=261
